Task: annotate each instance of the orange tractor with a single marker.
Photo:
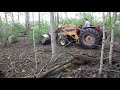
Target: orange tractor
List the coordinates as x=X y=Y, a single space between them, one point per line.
x=88 y=37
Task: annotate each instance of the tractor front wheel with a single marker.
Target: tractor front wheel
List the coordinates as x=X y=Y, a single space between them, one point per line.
x=63 y=41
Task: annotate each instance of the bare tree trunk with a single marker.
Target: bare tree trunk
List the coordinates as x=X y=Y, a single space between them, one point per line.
x=34 y=42
x=57 y=18
x=42 y=16
x=103 y=43
x=12 y=18
x=53 y=35
x=0 y=18
x=39 y=19
x=109 y=17
x=91 y=17
x=66 y=17
x=27 y=21
x=112 y=37
x=18 y=17
x=6 y=19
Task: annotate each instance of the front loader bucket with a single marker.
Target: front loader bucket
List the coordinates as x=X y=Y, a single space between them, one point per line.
x=46 y=39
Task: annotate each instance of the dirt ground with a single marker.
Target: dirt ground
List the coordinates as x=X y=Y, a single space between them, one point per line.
x=18 y=61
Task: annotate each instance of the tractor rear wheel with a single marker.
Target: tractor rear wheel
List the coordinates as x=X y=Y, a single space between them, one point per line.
x=89 y=38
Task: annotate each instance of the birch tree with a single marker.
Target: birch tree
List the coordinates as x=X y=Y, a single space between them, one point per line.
x=39 y=19
x=12 y=16
x=18 y=17
x=6 y=19
x=109 y=13
x=103 y=43
x=34 y=42
x=53 y=35
x=66 y=17
x=0 y=18
x=27 y=21
x=112 y=37
x=57 y=18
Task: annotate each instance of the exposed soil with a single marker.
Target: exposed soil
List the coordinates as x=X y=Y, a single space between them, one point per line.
x=17 y=61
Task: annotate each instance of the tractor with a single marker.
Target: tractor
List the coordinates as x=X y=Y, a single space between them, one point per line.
x=88 y=37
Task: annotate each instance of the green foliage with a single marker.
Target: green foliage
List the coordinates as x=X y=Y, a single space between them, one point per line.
x=7 y=30
x=117 y=32
x=44 y=28
x=4 y=37
x=89 y=16
x=80 y=20
x=1 y=23
x=62 y=21
x=17 y=29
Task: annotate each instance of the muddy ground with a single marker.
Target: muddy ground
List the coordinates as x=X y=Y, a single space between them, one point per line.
x=18 y=61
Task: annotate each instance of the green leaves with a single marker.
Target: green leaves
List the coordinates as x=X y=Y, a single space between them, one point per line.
x=44 y=28
x=7 y=30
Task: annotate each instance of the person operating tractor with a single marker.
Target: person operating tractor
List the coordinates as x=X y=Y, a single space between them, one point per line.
x=87 y=23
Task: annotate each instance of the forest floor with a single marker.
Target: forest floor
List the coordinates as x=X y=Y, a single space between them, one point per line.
x=18 y=61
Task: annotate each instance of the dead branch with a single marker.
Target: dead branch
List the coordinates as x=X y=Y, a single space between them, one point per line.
x=114 y=50
x=77 y=59
x=53 y=59
x=57 y=69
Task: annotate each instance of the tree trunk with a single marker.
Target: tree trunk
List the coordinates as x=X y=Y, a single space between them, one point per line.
x=53 y=35
x=27 y=21
x=0 y=18
x=92 y=18
x=66 y=17
x=103 y=43
x=12 y=18
x=18 y=17
x=57 y=18
x=112 y=37
x=6 y=19
x=34 y=42
x=39 y=19
x=109 y=17
x=42 y=16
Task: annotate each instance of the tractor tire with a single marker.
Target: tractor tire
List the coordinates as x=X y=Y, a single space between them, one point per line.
x=63 y=41
x=89 y=38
